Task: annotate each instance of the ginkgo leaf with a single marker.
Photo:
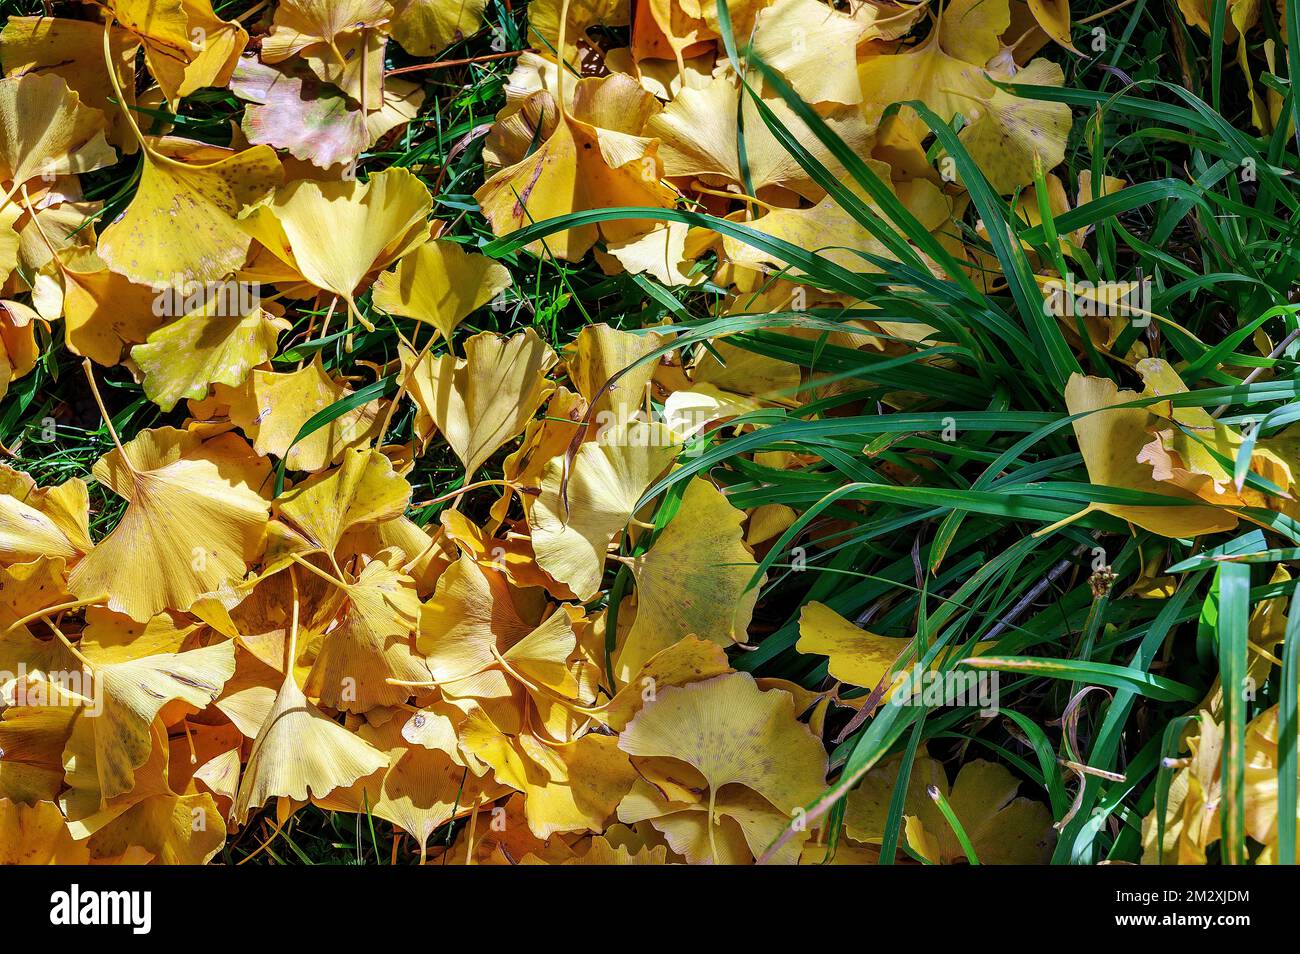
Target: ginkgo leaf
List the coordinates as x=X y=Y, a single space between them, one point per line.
x=362 y=490
x=33 y=738
x=693 y=581
x=483 y=400
x=440 y=283
x=105 y=313
x=583 y=504
x=689 y=660
x=314 y=122
x=1002 y=828
x=383 y=219
x=857 y=656
x=423 y=790
x=1054 y=17
x=609 y=369
x=300 y=752
x=661 y=252
x=134 y=692
x=603 y=853
x=370 y=644
x=18 y=349
x=1010 y=134
x=74 y=50
x=302 y=116
x=341 y=42
x=1110 y=440
x=193 y=521
x=174 y=829
x=42 y=522
x=46 y=131
x=206 y=196
x=595 y=158
x=743 y=826
x=814 y=46
x=424 y=27
x=574 y=786
x=36 y=835
x=948 y=73
x=582 y=16
x=836 y=235
x=274 y=406
x=206 y=347
x=732 y=732
x=699 y=133
x=186 y=45
x=472 y=614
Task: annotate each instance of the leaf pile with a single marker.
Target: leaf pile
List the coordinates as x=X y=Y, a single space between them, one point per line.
x=481 y=588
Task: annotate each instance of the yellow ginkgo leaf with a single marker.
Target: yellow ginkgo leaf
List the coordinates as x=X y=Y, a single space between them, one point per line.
x=858 y=657
x=595 y=158
x=18 y=350
x=371 y=643
x=36 y=835
x=689 y=660
x=542 y=657
x=206 y=196
x=661 y=253
x=383 y=219
x=299 y=753
x=206 y=347
x=272 y=408
x=104 y=313
x=1193 y=803
x=42 y=522
x=610 y=369
x=425 y=27
x=134 y=691
x=483 y=400
x=836 y=236
x=583 y=504
x=1010 y=133
x=693 y=581
x=471 y=617
x=174 y=829
x=744 y=825
x=699 y=133
x=194 y=521
x=579 y=16
x=1003 y=829
x=1054 y=17
x=1110 y=440
x=186 y=45
x=814 y=46
x=948 y=72
x=33 y=738
x=74 y=50
x=361 y=491
x=419 y=792
x=544 y=438
x=575 y=786
x=46 y=131
x=342 y=42
x=733 y=733
x=440 y=283
x=602 y=852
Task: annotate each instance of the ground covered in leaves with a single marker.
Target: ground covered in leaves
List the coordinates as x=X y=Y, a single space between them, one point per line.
x=648 y=431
